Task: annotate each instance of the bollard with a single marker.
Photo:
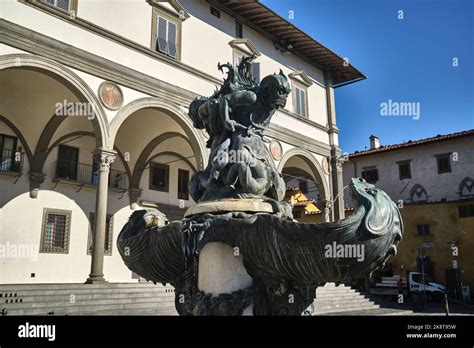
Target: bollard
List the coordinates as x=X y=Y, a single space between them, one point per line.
x=446 y=305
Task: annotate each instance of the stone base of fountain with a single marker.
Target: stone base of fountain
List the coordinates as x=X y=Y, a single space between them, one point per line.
x=245 y=205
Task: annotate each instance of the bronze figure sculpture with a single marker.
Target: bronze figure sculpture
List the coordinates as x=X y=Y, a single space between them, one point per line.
x=239 y=205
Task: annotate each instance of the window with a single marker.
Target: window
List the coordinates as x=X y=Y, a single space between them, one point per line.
x=466 y=211
x=159 y=177
x=423 y=230
x=8 y=160
x=404 y=170
x=444 y=163
x=166 y=29
x=61 y=4
x=255 y=69
x=55 y=231
x=303 y=184
x=296 y=214
x=215 y=12
x=239 y=30
x=300 y=101
x=183 y=183
x=166 y=42
x=67 y=164
x=108 y=234
x=370 y=175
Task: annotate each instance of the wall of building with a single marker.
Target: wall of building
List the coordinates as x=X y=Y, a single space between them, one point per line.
x=30 y=106
x=201 y=32
x=424 y=170
x=445 y=226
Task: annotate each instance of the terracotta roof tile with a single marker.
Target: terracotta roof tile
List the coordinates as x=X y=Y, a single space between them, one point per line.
x=411 y=143
x=284 y=34
x=303 y=203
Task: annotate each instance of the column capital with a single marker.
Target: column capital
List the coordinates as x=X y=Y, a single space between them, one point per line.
x=134 y=193
x=324 y=204
x=104 y=158
x=36 y=179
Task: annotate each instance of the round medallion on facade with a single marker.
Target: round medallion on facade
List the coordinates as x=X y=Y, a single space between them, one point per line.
x=110 y=95
x=325 y=165
x=276 y=150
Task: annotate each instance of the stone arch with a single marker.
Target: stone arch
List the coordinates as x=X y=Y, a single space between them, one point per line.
x=310 y=160
x=174 y=154
x=89 y=134
x=147 y=151
x=196 y=140
x=466 y=185
x=51 y=67
x=418 y=193
x=20 y=136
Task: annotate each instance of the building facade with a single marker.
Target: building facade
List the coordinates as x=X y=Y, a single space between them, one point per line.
x=94 y=124
x=432 y=181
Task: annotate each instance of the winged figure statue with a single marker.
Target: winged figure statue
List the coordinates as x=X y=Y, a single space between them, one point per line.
x=284 y=258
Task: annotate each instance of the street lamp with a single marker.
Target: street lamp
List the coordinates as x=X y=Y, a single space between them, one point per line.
x=455 y=265
x=423 y=246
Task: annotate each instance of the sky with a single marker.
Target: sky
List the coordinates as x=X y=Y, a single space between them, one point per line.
x=408 y=57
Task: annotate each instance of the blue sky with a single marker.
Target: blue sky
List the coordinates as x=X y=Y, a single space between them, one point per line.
x=408 y=60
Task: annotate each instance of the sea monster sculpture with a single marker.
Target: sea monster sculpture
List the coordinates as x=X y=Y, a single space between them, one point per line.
x=284 y=258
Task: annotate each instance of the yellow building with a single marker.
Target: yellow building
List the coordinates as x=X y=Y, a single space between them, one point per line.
x=304 y=209
x=445 y=230
x=309 y=210
x=431 y=180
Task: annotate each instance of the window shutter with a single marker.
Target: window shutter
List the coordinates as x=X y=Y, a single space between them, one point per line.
x=303 y=102
x=161 y=40
x=63 y=4
x=172 y=39
x=256 y=71
x=297 y=100
x=237 y=59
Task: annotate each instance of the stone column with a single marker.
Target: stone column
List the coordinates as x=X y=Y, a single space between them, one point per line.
x=336 y=164
x=325 y=207
x=337 y=184
x=103 y=158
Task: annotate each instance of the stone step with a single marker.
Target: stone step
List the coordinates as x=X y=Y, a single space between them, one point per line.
x=165 y=311
x=41 y=286
x=79 y=303
x=338 y=299
x=339 y=289
x=128 y=312
x=82 y=297
x=338 y=293
x=342 y=298
x=85 y=290
x=91 y=309
x=343 y=304
x=343 y=309
x=329 y=295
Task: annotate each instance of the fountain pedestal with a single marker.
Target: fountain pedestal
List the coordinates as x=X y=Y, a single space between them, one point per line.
x=238 y=251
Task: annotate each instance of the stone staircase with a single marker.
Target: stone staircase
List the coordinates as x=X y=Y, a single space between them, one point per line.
x=333 y=299
x=83 y=299
x=139 y=299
